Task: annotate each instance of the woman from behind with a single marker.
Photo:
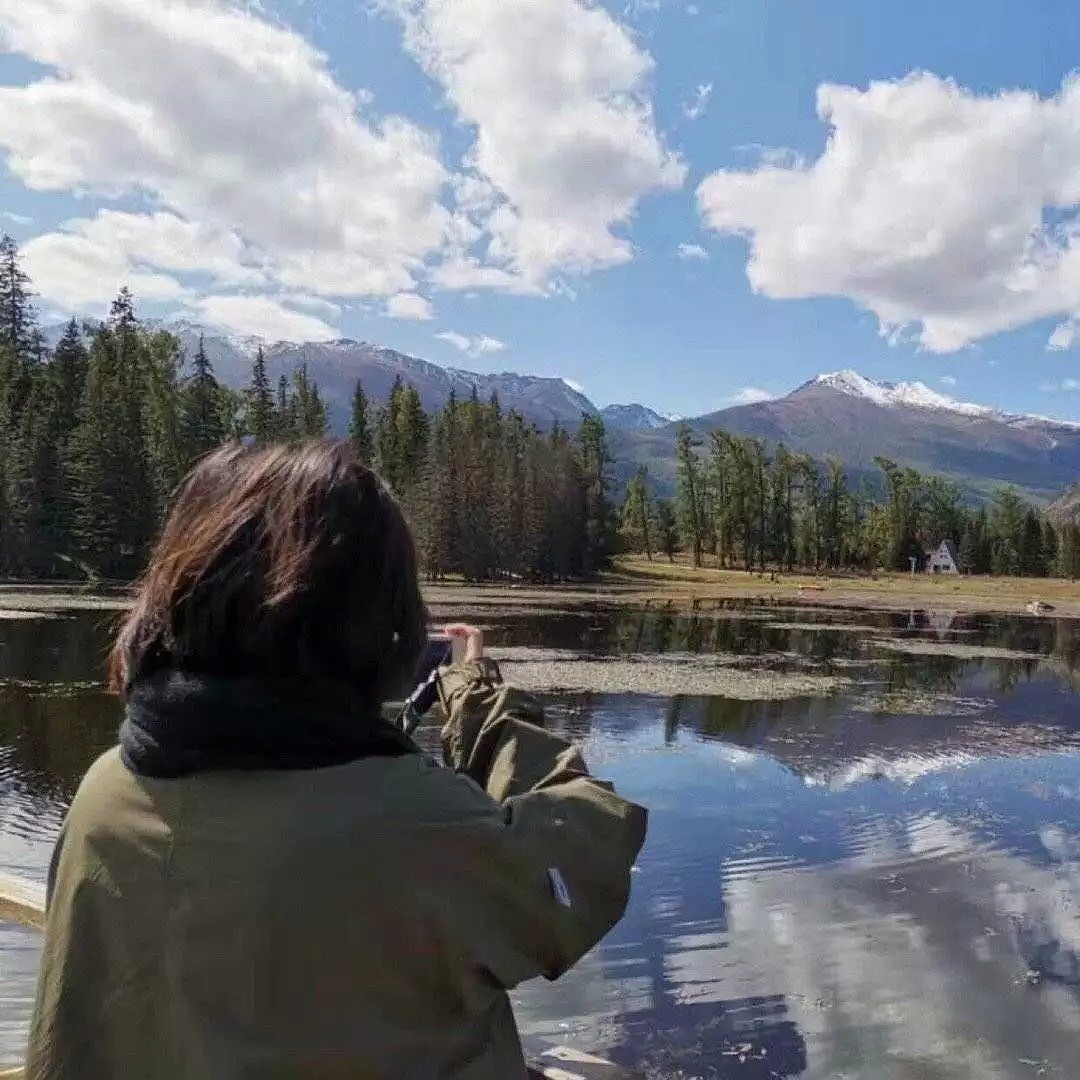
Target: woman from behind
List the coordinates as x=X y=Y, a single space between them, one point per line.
x=266 y=879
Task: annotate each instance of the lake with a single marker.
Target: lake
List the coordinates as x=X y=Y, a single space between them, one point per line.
x=864 y=849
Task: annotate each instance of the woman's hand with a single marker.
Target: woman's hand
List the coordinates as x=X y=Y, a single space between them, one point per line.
x=468 y=642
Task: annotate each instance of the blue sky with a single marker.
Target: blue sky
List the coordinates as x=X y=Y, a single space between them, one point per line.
x=681 y=203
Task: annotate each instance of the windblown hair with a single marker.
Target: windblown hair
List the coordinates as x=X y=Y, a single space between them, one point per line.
x=287 y=563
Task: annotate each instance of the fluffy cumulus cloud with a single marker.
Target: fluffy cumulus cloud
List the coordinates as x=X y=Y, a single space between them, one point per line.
x=566 y=143
x=474 y=346
x=258 y=174
x=410 y=306
x=234 y=128
x=940 y=210
x=83 y=265
x=261 y=316
x=71 y=271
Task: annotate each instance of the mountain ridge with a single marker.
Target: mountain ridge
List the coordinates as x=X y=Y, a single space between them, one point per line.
x=633 y=415
x=839 y=413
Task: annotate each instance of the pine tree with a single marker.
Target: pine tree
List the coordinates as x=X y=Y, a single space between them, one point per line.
x=286 y=422
x=975 y=543
x=1007 y=532
x=595 y=464
x=68 y=371
x=98 y=461
x=139 y=506
x=1031 y=546
x=411 y=439
x=164 y=407
x=19 y=332
x=310 y=412
x=17 y=319
x=387 y=452
x=689 y=491
x=116 y=506
x=1068 y=555
x=360 y=425
x=260 y=403
x=666 y=528
x=37 y=495
x=203 y=425
x=637 y=514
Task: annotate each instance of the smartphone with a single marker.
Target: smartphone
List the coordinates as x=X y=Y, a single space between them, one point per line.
x=437 y=652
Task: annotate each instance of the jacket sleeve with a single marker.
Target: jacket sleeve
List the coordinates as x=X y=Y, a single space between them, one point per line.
x=561 y=845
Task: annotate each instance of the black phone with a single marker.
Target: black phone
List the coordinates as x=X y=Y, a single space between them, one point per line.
x=437 y=652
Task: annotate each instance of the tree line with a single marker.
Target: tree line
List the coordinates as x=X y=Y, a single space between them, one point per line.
x=97 y=432
x=744 y=506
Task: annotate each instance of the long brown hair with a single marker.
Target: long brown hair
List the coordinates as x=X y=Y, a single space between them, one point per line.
x=288 y=562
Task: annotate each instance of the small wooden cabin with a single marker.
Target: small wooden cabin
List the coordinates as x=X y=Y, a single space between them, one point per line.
x=944 y=559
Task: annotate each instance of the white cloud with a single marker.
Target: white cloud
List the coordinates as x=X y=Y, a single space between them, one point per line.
x=15 y=219
x=233 y=125
x=459 y=341
x=474 y=346
x=75 y=273
x=261 y=316
x=566 y=143
x=948 y=380
x=695 y=108
x=489 y=345
x=751 y=395
x=929 y=207
x=1066 y=386
x=312 y=303
x=693 y=251
x=462 y=273
x=87 y=260
x=1063 y=336
x=410 y=306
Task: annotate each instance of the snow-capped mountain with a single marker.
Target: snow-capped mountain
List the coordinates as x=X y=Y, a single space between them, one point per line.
x=634 y=418
x=917 y=395
x=914 y=395
x=336 y=366
x=858 y=420
x=840 y=413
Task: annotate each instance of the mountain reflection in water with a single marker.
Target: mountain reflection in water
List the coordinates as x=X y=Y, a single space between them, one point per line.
x=879 y=883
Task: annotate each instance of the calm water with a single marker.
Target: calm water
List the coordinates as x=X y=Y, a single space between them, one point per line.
x=881 y=881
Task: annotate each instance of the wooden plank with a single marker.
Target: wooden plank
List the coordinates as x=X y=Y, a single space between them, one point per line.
x=22 y=902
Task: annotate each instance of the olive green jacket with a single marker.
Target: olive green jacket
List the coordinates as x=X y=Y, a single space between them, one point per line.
x=362 y=921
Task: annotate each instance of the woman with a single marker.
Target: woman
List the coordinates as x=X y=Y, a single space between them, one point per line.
x=266 y=879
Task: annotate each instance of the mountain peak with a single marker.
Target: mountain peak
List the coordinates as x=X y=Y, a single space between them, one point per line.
x=634 y=418
x=912 y=395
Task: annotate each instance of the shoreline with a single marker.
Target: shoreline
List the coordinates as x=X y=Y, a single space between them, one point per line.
x=883 y=592
x=636 y=582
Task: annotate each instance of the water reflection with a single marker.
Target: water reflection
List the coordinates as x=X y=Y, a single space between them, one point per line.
x=880 y=883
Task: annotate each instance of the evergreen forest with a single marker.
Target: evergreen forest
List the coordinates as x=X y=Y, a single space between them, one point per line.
x=97 y=430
